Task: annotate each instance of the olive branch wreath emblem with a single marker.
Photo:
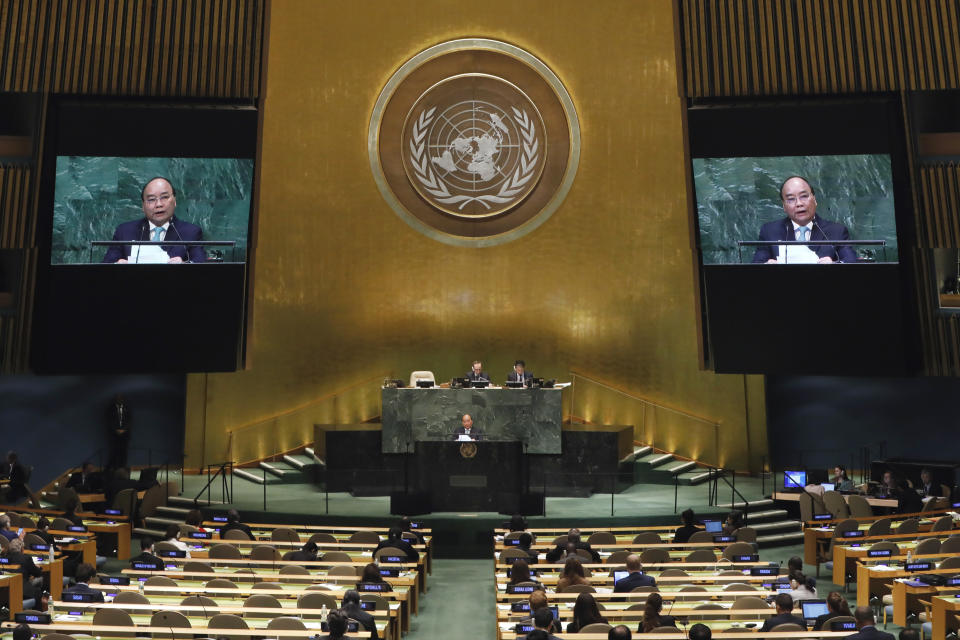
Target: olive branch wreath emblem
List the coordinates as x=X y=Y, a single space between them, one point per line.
x=510 y=188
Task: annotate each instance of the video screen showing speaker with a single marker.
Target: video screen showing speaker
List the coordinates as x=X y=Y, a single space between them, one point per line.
x=120 y=199
x=145 y=231
x=803 y=217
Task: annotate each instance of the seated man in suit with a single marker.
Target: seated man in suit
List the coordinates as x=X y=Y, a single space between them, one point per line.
x=682 y=535
x=520 y=374
x=543 y=620
x=87 y=480
x=573 y=538
x=351 y=607
x=159 y=201
x=477 y=373
x=929 y=487
x=636 y=577
x=524 y=542
x=866 y=627
x=395 y=540
x=233 y=522
x=801 y=224
x=784 y=604
x=466 y=428
x=146 y=556
x=85 y=573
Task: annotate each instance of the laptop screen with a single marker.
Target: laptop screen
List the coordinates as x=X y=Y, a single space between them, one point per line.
x=794 y=479
x=713 y=526
x=827 y=486
x=814 y=608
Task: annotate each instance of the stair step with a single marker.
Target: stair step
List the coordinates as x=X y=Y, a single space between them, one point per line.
x=145 y=531
x=654 y=460
x=791 y=537
x=693 y=477
x=754 y=504
x=255 y=476
x=162 y=523
x=679 y=467
x=776 y=526
x=770 y=514
x=188 y=502
x=310 y=452
x=299 y=462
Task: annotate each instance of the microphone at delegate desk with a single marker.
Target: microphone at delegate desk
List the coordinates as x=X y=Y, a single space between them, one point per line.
x=466 y=431
x=520 y=374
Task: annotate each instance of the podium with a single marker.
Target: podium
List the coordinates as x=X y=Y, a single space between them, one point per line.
x=469 y=476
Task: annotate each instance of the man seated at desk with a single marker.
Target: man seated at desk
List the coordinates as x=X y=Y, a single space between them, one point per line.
x=466 y=430
x=520 y=374
x=87 y=480
x=85 y=573
x=477 y=373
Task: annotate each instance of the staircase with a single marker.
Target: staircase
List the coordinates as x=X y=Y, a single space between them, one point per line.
x=290 y=469
x=661 y=468
x=774 y=526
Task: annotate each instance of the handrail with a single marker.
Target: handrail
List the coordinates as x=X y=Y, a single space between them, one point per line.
x=307 y=405
x=574 y=375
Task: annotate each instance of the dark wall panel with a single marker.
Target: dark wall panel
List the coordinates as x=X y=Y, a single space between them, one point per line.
x=57 y=422
x=822 y=421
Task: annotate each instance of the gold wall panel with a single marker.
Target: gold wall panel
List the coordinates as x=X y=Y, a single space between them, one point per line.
x=346 y=291
x=770 y=47
x=132 y=47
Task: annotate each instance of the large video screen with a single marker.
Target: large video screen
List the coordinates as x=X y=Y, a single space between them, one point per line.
x=739 y=199
x=94 y=195
x=803 y=221
x=171 y=184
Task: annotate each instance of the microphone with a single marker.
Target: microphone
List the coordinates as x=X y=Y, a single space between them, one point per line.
x=186 y=249
x=817 y=225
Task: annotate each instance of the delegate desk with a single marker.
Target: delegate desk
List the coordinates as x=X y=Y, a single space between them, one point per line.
x=945 y=613
x=12 y=583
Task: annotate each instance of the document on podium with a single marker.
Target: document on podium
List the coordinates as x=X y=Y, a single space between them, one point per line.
x=796 y=254
x=148 y=254
x=464 y=438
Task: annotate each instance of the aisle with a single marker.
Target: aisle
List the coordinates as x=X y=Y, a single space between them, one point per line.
x=460 y=602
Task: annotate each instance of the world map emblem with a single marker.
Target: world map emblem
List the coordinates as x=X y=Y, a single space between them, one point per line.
x=474 y=142
x=475 y=145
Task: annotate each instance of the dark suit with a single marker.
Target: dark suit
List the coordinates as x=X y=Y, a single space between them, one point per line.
x=302 y=556
x=633 y=581
x=822 y=619
x=782 y=618
x=176 y=230
x=513 y=376
x=412 y=554
x=18 y=483
x=82 y=588
x=148 y=558
x=933 y=489
x=870 y=633
x=475 y=433
x=908 y=501
x=90 y=483
x=366 y=620
x=683 y=534
x=239 y=526
x=560 y=549
x=473 y=377
x=822 y=230
x=27 y=569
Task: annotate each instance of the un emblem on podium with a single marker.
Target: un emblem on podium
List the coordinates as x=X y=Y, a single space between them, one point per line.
x=468 y=450
x=474 y=142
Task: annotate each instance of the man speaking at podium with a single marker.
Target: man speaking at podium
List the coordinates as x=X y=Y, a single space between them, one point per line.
x=159 y=201
x=466 y=430
x=802 y=223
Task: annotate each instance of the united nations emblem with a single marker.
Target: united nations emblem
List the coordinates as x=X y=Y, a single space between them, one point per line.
x=468 y=450
x=474 y=142
x=475 y=145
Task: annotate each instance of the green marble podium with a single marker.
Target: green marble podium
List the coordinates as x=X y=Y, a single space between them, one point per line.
x=531 y=416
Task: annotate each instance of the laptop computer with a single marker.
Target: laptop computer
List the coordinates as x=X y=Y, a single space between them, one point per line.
x=812 y=609
x=713 y=526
